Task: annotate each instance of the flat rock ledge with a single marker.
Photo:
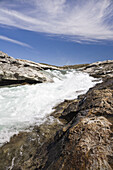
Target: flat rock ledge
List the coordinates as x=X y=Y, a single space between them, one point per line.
x=17 y=71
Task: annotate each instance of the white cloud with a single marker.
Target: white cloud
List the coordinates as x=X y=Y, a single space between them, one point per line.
x=76 y=20
x=14 y=41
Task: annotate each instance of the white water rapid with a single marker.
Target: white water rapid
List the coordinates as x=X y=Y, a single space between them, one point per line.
x=28 y=105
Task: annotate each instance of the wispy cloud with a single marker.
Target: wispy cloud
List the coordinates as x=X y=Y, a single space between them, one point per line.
x=14 y=41
x=76 y=20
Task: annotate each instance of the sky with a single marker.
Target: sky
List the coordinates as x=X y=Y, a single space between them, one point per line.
x=58 y=32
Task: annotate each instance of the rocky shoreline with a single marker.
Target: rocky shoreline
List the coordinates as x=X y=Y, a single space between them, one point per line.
x=17 y=71
x=81 y=140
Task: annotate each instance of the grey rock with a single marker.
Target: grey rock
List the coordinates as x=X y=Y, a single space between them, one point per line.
x=103 y=69
x=17 y=71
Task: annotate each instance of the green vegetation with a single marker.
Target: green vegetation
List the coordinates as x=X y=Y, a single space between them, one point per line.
x=68 y=66
x=74 y=66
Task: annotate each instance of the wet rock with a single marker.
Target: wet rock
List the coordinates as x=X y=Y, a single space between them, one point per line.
x=64 y=111
x=21 y=151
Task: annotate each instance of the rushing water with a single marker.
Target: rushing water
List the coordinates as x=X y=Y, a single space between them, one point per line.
x=28 y=105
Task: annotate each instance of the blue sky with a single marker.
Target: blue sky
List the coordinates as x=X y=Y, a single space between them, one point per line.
x=57 y=32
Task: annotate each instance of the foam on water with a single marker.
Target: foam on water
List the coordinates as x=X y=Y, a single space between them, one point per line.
x=24 y=106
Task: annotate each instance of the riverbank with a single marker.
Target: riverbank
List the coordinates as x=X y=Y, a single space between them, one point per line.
x=82 y=141
x=80 y=137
